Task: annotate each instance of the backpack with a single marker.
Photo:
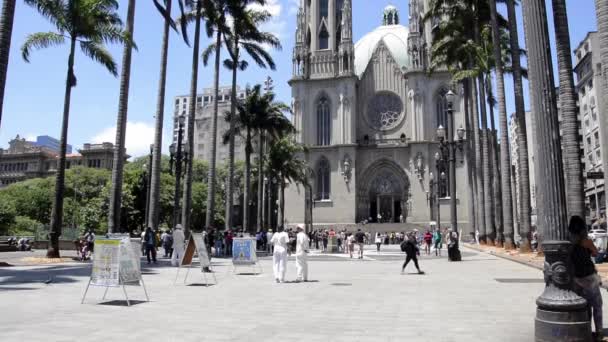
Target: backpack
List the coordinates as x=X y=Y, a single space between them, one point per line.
x=403 y=246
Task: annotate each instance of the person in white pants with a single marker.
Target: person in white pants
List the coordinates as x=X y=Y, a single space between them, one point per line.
x=302 y=245
x=279 y=240
x=178 y=245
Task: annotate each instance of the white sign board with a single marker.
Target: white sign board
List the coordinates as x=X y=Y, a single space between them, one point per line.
x=201 y=250
x=106 y=265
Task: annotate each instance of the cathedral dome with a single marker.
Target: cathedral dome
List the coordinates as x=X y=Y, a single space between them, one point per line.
x=391 y=34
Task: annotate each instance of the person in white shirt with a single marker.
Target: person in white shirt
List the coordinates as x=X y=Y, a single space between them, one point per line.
x=279 y=242
x=302 y=245
x=178 y=245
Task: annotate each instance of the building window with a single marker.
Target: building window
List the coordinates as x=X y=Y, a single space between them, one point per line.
x=323 y=122
x=323 y=180
x=598 y=155
x=323 y=9
x=323 y=39
x=441 y=109
x=596 y=136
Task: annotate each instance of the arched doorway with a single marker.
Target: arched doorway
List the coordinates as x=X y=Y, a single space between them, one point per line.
x=382 y=193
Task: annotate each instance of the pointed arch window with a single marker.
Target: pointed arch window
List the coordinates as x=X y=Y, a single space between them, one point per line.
x=323 y=38
x=441 y=108
x=323 y=180
x=323 y=122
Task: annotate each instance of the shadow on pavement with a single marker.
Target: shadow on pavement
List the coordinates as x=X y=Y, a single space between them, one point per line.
x=49 y=275
x=201 y=285
x=122 y=302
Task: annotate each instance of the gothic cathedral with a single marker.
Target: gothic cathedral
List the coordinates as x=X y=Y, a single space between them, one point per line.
x=368 y=113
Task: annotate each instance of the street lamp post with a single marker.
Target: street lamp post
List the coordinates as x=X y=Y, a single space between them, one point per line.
x=176 y=159
x=448 y=149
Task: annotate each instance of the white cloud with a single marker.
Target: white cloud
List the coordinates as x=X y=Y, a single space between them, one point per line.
x=139 y=137
x=31 y=136
x=277 y=25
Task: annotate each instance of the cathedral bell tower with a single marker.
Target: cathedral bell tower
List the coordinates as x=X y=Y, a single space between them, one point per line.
x=324 y=43
x=416 y=39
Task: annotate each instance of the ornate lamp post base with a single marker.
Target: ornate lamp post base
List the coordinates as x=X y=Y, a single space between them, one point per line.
x=561 y=315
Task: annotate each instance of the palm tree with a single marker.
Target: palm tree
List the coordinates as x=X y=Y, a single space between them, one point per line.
x=154 y=210
x=89 y=23
x=114 y=216
x=257 y=113
x=196 y=7
x=244 y=35
x=6 y=33
x=284 y=161
x=505 y=155
x=575 y=186
x=522 y=136
x=216 y=13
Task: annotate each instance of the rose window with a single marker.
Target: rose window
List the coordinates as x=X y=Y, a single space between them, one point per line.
x=385 y=111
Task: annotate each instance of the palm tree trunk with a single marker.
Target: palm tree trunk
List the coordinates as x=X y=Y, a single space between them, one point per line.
x=281 y=220
x=6 y=33
x=246 y=207
x=153 y=211
x=525 y=215
x=470 y=157
x=505 y=155
x=209 y=218
x=114 y=216
x=485 y=157
x=473 y=104
x=57 y=211
x=260 y=205
x=575 y=186
x=230 y=185
x=187 y=196
x=494 y=167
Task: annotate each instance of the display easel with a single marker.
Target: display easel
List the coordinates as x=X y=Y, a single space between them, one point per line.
x=244 y=254
x=115 y=264
x=196 y=244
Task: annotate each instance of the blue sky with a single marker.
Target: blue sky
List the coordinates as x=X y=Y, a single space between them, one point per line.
x=34 y=91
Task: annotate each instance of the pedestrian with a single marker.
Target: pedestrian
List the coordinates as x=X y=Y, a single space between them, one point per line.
x=279 y=257
x=410 y=248
x=351 y=244
x=218 y=245
x=428 y=241
x=90 y=239
x=229 y=238
x=586 y=280
x=269 y=244
x=150 y=241
x=143 y=243
x=325 y=240
x=302 y=245
x=178 y=245
x=167 y=240
x=360 y=239
x=438 y=242
x=378 y=241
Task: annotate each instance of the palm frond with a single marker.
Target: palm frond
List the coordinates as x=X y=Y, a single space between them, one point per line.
x=99 y=53
x=40 y=40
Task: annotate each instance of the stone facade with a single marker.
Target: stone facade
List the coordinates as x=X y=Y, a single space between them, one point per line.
x=594 y=121
x=24 y=160
x=202 y=125
x=368 y=113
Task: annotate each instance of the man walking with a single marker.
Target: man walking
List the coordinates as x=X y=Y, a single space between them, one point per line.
x=178 y=245
x=302 y=245
x=360 y=238
x=410 y=248
x=279 y=242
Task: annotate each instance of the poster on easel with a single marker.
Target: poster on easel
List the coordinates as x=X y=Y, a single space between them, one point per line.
x=115 y=264
x=196 y=244
x=244 y=254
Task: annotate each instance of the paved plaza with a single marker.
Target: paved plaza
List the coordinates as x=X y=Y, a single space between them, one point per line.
x=483 y=298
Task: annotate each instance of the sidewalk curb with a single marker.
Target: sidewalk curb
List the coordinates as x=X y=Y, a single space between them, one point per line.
x=604 y=285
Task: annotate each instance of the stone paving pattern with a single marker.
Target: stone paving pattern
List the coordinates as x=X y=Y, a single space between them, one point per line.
x=347 y=300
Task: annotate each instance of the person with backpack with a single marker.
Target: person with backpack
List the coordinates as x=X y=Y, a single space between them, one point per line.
x=410 y=247
x=360 y=239
x=150 y=242
x=167 y=241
